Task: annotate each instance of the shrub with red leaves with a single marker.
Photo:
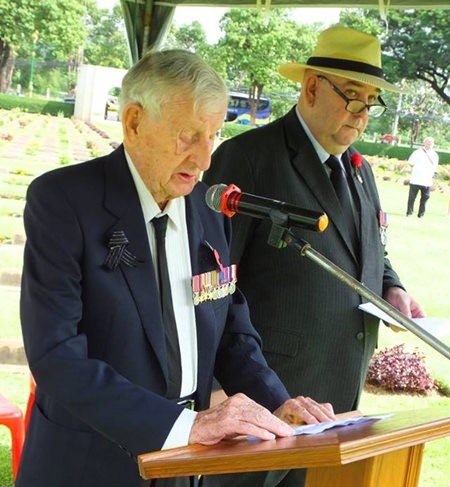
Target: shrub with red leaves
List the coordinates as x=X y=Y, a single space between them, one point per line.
x=395 y=369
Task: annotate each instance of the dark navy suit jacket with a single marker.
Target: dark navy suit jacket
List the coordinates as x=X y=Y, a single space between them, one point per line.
x=94 y=337
x=313 y=334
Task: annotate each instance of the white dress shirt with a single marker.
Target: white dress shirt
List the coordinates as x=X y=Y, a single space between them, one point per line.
x=180 y=274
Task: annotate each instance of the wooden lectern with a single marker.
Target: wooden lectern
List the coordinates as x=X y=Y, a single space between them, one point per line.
x=378 y=453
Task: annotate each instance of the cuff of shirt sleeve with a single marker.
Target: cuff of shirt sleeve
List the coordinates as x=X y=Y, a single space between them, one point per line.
x=179 y=434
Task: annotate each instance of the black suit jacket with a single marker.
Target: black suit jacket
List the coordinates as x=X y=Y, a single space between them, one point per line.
x=94 y=336
x=313 y=334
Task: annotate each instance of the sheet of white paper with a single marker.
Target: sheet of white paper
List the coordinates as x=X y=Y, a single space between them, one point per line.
x=313 y=429
x=436 y=326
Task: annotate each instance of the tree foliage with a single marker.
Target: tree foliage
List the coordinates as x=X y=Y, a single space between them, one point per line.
x=106 y=43
x=422 y=113
x=255 y=43
x=191 y=37
x=419 y=41
x=252 y=46
x=54 y=26
x=415 y=56
x=415 y=44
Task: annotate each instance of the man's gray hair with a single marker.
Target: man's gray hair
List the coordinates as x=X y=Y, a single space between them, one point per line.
x=160 y=75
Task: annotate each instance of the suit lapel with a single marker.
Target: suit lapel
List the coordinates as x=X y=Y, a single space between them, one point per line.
x=308 y=165
x=354 y=189
x=368 y=196
x=201 y=257
x=122 y=201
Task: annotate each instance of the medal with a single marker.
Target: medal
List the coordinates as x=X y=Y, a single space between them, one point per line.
x=215 y=284
x=383 y=221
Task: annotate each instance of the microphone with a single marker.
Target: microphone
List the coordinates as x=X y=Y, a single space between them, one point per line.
x=230 y=200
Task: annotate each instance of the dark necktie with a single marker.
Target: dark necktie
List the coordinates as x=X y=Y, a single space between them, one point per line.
x=339 y=182
x=168 y=315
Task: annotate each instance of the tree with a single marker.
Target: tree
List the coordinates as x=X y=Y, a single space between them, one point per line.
x=423 y=112
x=106 y=43
x=415 y=55
x=255 y=43
x=192 y=37
x=419 y=41
x=28 y=25
x=415 y=44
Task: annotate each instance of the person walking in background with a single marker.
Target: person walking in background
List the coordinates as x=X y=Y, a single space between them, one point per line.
x=308 y=320
x=424 y=162
x=104 y=307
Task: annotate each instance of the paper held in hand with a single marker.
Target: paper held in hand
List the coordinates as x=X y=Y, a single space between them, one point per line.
x=436 y=326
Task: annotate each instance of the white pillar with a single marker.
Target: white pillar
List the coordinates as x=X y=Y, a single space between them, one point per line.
x=93 y=85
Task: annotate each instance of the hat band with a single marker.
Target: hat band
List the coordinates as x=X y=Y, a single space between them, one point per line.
x=328 y=62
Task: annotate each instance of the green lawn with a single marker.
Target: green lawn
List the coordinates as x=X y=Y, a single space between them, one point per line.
x=418 y=249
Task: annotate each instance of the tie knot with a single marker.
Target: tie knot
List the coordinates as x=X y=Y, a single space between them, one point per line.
x=160 y=226
x=334 y=163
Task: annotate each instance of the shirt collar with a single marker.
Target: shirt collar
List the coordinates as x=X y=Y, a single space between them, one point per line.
x=321 y=152
x=175 y=209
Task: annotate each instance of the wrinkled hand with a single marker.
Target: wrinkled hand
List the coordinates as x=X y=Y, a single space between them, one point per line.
x=401 y=300
x=237 y=415
x=304 y=410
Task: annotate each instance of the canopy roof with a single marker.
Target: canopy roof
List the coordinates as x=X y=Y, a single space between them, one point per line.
x=148 y=20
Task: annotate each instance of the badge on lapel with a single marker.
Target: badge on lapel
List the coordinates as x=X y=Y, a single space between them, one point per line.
x=118 y=252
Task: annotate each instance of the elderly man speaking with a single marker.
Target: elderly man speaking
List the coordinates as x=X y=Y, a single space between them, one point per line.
x=129 y=299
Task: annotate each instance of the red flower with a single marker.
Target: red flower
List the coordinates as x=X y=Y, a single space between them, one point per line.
x=356 y=160
x=357 y=164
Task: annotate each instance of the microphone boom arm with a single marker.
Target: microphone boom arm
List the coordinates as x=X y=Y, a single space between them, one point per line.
x=286 y=238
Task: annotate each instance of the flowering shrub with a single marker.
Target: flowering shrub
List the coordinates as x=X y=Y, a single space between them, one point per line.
x=395 y=369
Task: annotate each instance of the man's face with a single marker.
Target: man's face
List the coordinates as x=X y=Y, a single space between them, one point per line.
x=428 y=144
x=333 y=126
x=171 y=152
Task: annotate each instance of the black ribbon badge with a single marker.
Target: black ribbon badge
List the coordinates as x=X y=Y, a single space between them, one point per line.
x=118 y=252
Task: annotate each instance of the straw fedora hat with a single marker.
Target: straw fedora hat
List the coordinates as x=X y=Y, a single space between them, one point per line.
x=344 y=52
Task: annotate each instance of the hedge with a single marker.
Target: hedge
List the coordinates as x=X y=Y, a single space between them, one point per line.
x=35 y=105
x=231 y=129
x=394 y=151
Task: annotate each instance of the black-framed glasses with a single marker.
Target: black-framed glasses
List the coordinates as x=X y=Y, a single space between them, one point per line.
x=357 y=106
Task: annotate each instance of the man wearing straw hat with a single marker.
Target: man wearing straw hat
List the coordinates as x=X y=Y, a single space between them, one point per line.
x=313 y=334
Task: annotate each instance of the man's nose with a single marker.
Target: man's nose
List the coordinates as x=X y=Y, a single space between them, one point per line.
x=202 y=154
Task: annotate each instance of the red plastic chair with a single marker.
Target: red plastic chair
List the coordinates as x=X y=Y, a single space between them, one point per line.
x=30 y=401
x=11 y=416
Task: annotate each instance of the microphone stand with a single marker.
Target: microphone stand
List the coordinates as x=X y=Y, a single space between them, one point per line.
x=280 y=236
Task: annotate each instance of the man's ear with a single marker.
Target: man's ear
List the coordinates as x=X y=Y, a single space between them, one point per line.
x=310 y=85
x=131 y=118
